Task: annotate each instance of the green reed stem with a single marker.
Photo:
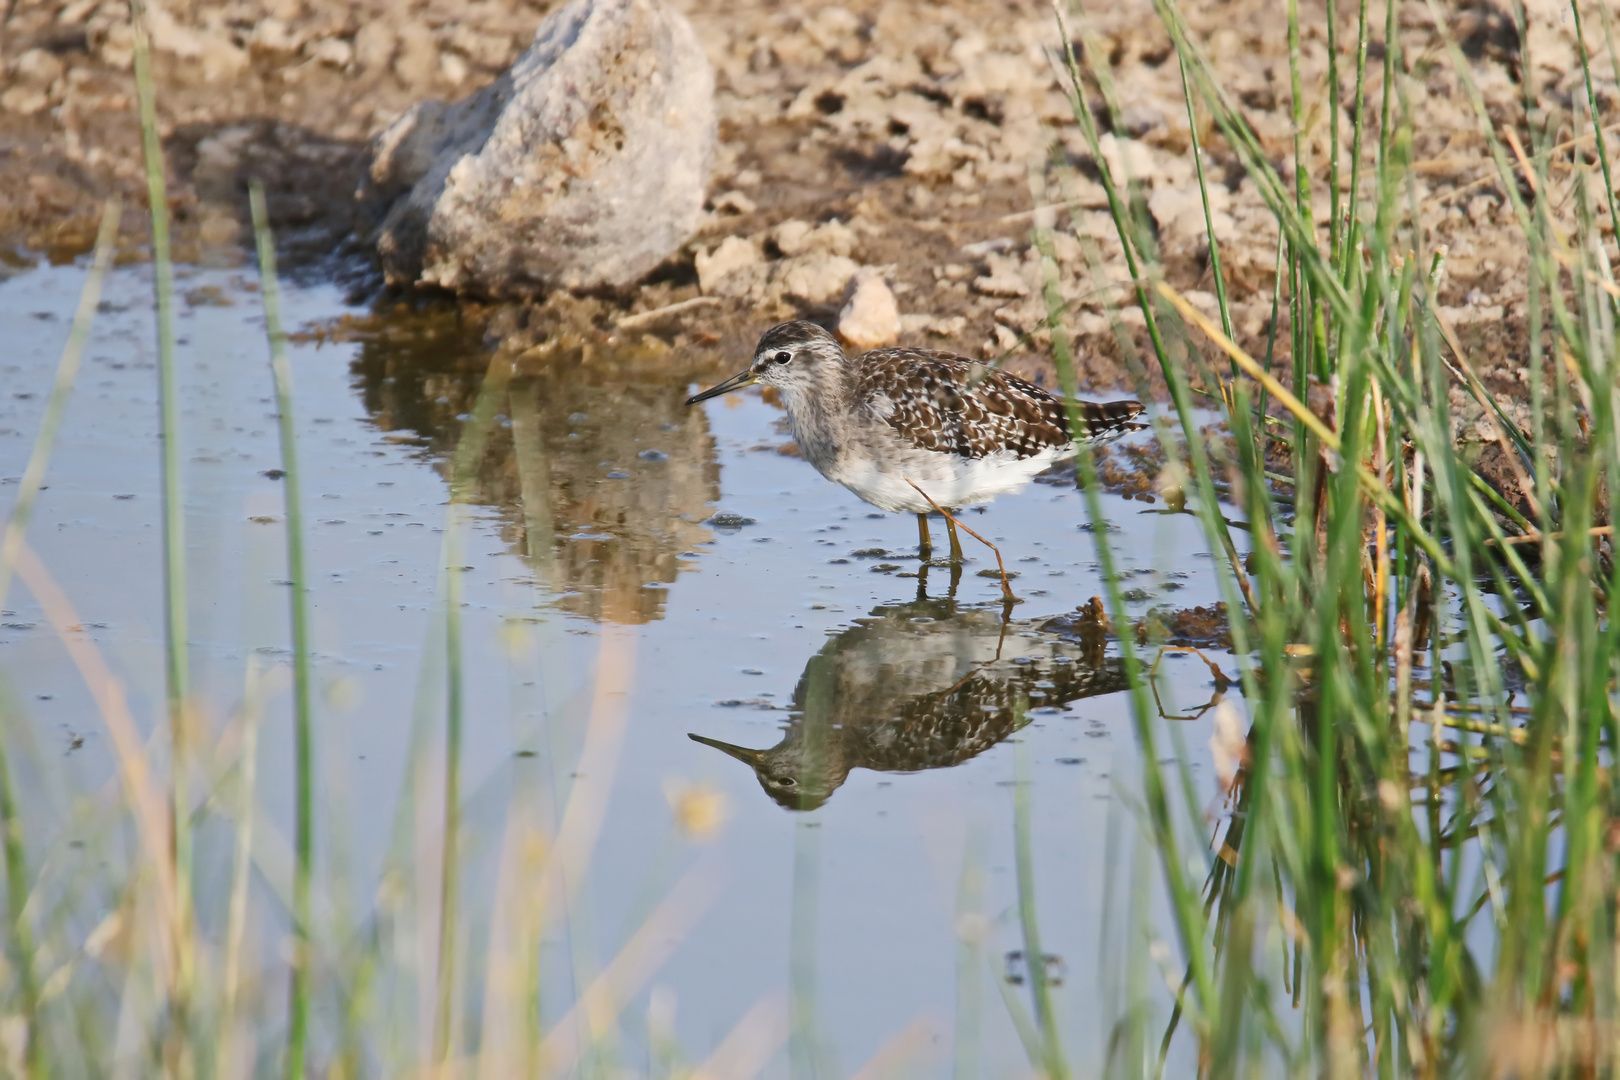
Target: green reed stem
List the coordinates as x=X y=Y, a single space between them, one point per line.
x=1129 y=227
x=298 y=589
x=444 y=1024
x=1215 y=270
x=177 y=674
x=1335 y=240
x=1353 y=228
x=16 y=857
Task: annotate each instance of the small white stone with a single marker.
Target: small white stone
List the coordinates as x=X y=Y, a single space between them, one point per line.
x=870 y=318
x=36 y=67
x=816 y=278
x=801 y=238
x=207 y=49
x=76 y=11
x=790 y=237
x=454 y=68
x=374 y=45
x=735 y=202
x=118 y=47
x=733 y=254
x=275 y=38
x=486 y=50
x=24 y=100
x=833 y=238
x=1004 y=285
x=333 y=52
x=1206 y=302
x=418 y=55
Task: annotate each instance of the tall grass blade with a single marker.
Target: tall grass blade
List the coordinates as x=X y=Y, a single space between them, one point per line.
x=298 y=601
x=1596 y=115
x=175 y=635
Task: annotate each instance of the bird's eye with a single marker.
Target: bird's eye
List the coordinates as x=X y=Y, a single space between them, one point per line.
x=786 y=781
x=783 y=357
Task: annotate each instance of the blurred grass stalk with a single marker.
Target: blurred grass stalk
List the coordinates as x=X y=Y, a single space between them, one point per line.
x=1390 y=565
x=135 y=995
x=176 y=643
x=298 y=603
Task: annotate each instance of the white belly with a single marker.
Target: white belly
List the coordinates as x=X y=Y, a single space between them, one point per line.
x=950 y=481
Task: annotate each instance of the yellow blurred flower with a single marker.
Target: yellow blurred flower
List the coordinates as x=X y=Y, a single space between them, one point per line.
x=700 y=808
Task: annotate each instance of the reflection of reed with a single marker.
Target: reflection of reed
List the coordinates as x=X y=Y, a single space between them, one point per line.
x=917 y=686
x=628 y=472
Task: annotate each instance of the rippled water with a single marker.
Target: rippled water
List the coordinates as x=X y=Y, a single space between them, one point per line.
x=828 y=736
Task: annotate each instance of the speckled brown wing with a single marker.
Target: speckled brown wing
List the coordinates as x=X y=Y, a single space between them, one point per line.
x=950 y=404
x=939 y=730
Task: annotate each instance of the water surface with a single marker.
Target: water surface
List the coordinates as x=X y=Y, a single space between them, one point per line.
x=864 y=723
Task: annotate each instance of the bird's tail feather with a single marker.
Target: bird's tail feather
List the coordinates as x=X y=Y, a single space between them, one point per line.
x=1102 y=420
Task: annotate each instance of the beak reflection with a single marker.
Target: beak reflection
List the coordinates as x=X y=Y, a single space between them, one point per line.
x=741 y=753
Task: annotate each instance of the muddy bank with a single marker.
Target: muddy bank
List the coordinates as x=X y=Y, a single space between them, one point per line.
x=897 y=137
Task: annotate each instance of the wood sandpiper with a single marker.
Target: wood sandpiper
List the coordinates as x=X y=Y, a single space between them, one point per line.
x=910 y=430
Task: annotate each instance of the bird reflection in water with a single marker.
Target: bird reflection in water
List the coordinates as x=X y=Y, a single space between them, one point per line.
x=922 y=685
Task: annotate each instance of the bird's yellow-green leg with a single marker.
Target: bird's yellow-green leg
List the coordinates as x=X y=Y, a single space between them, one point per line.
x=1006 y=589
x=956 y=541
x=925 y=543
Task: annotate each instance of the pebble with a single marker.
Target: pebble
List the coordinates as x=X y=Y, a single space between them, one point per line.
x=453 y=68
x=1003 y=285
x=333 y=52
x=374 y=46
x=801 y=238
x=275 y=40
x=37 y=67
x=418 y=57
x=870 y=318
x=735 y=202
x=733 y=254
x=24 y=100
x=816 y=278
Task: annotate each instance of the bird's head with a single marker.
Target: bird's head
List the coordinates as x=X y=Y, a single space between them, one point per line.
x=795 y=779
x=791 y=356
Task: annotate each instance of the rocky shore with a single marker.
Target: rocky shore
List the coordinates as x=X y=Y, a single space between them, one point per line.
x=880 y=162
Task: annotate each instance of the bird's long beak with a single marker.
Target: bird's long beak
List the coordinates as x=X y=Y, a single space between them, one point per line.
x=741 y=753
x=736 y=382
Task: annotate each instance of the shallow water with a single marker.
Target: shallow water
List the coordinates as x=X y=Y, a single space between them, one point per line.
x=610 y=612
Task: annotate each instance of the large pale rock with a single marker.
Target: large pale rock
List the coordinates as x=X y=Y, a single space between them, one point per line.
x=583 y=165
